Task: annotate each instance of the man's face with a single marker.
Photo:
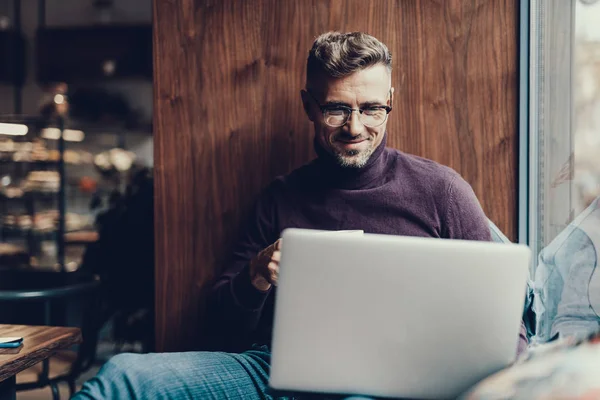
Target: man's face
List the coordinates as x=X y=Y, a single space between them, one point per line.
x=353 y=143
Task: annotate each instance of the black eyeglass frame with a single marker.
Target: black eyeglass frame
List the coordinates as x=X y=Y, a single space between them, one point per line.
x=349 y=110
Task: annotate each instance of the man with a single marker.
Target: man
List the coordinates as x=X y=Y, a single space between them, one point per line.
x=355 y=183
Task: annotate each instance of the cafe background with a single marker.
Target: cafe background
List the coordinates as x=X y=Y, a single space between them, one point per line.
x=76 y=209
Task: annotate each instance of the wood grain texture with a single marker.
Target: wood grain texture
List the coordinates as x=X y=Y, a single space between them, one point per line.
x=39 y=343
x=228 y=116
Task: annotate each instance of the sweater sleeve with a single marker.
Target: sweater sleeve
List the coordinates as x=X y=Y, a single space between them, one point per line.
x=464 y=218
x=235 y=305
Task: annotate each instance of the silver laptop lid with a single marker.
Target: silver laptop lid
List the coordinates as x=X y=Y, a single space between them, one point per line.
x=394 y=316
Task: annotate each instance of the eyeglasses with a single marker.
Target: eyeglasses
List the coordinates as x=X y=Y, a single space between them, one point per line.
x=338 y=115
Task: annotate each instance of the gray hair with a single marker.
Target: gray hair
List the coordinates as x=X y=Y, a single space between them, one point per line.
x=336 y=55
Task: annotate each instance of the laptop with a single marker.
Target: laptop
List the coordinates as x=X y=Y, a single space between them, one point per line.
x=392 y=316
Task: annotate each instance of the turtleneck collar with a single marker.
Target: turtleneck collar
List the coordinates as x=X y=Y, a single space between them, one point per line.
x=333 y=175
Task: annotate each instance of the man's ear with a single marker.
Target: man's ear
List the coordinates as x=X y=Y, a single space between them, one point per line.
x=306 y=100
x=391 y=99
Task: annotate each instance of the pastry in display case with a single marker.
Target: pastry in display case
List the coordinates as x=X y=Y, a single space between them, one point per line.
x=12 y=255
x=42 y=181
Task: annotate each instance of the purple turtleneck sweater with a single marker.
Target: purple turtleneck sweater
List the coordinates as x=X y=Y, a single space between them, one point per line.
x=395 y=193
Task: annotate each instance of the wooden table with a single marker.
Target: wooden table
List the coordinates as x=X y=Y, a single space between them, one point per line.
x=39 y=343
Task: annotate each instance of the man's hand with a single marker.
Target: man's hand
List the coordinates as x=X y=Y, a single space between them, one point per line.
x=264 y=268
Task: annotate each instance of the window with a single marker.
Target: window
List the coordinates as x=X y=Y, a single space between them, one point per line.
x=563 y=212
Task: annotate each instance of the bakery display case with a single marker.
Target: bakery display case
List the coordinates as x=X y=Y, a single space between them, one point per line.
x=54 y=180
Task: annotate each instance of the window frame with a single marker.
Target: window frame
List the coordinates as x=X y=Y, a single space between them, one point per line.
x=547 y=33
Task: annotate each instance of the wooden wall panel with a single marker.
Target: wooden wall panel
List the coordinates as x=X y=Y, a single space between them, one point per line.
x=228 y=116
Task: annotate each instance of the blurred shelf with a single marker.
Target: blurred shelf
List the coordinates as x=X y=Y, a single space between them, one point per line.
x=82 y=237
x=108 y=128
x=42 y=163
x=18 y=233
x=36 y=123
x=32 y=195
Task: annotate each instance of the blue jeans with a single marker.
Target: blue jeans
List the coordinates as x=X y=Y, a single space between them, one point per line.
x=190 y=375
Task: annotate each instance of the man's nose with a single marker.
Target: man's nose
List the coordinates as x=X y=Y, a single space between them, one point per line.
x=354 y=126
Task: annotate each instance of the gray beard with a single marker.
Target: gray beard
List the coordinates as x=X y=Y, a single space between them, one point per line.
x=353 y=158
